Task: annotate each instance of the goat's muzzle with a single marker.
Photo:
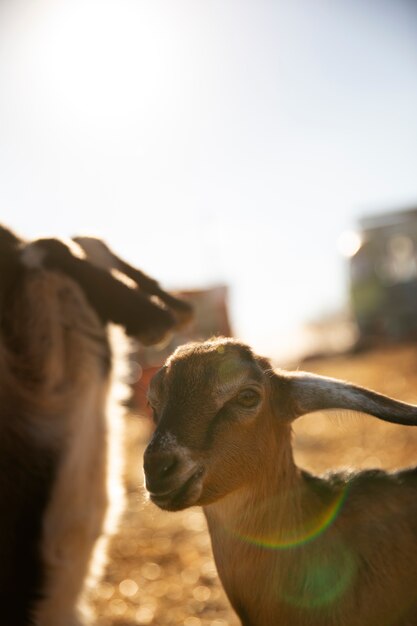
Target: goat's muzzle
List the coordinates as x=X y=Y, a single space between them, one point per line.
x=173 y=480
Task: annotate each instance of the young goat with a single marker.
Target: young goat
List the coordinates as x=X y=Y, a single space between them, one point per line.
x=55 y=375
x=291 y=548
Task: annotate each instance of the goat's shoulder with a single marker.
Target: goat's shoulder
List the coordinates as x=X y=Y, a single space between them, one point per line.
x=388 y=497
x=365 y=479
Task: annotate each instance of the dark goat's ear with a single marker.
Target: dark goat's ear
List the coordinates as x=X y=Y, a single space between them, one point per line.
x=298 y=393
x=112 y=300
x=101 y=255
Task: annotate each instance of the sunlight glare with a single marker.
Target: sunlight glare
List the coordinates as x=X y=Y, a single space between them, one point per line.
x=349 y=243
x=103 y=61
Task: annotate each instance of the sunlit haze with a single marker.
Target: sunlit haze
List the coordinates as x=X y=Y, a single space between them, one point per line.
x=212 y=141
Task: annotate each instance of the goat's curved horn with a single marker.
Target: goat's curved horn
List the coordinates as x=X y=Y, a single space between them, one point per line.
x=307 y=393
x=105 y=257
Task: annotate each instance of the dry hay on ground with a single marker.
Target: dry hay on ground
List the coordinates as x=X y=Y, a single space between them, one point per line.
x=161 y=572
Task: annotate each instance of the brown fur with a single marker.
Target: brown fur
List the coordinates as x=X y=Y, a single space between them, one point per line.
x=291 y=549
x=54 y=356
x=56 y=416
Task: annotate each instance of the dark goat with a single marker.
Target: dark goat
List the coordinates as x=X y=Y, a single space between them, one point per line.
x=55 y=376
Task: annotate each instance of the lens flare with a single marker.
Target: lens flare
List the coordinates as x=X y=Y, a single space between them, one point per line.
x=321 y=580
x=301 y=536
x=319 y=577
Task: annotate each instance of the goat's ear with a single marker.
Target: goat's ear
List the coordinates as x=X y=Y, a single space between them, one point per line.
x=101 y=255
x=298 y=393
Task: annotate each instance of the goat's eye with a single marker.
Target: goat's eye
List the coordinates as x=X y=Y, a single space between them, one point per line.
x=248 y=398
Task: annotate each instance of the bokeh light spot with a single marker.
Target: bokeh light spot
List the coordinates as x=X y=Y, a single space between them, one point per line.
x=150 y=571
x=128 y=587
x=201 y=593
x=145 y=614
x=192 y=621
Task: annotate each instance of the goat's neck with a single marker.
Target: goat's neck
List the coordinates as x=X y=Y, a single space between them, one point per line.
x=282 y=506
x=278 y=500
x=252 y=528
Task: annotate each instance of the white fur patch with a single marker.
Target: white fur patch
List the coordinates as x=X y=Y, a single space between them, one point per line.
x=97 y=252
x=170 y=442
x=75 y=515
x=75 y=248
x=32 y=256
x=118 y=275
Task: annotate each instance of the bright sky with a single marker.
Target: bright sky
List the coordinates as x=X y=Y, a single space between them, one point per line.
x=212 y=141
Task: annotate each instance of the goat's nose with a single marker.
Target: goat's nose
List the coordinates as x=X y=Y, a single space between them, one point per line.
x=159 y=469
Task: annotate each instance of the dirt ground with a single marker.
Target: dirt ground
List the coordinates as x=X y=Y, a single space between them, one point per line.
x=161 y=571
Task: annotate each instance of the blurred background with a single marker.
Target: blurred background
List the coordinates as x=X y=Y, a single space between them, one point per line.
x=212 y=142
x=259 y=157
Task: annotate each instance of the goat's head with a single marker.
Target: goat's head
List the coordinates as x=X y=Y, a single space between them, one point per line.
x=134 y=300
x=217 y=406
x=98 y=252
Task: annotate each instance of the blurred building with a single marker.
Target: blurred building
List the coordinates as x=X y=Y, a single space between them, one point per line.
x=211 y=318
x=383 y=276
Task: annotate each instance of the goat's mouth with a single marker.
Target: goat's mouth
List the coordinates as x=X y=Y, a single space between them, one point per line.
x=181 y=497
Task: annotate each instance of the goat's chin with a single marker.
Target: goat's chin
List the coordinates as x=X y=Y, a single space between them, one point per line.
x=188 y=494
